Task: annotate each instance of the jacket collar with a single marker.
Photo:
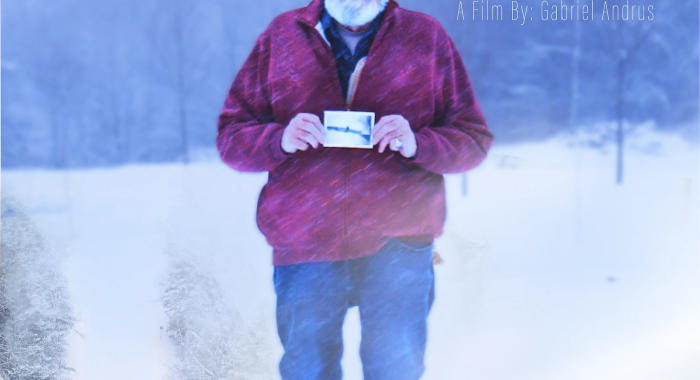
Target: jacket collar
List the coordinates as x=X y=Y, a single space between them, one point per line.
x=311 y=15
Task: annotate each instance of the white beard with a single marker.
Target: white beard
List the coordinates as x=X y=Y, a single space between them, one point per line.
x=355 y=13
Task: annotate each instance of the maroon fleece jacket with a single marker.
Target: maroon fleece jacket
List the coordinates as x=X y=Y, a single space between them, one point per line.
x=330 y=204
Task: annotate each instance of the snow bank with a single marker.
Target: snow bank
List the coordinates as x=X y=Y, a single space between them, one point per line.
x=552 y=271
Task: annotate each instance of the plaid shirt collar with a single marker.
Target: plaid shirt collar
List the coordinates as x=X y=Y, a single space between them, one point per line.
x=345 y=60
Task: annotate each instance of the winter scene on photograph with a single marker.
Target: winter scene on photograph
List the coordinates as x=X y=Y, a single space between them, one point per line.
x=347 y=129
x=131 y=250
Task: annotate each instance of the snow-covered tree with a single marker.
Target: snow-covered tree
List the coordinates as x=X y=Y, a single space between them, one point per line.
x=210 y=340
x=35 y=310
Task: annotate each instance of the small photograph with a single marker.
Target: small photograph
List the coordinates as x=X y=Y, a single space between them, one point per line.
x=348 y=129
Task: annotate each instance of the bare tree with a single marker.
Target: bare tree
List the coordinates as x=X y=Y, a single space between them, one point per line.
x=621 y=35
x=182 y=46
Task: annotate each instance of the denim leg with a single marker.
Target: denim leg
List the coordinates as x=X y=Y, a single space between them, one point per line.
x=395 y=292
x=312 y=299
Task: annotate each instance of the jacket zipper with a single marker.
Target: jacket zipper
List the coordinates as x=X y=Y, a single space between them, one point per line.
x=379 y=34
x=346 y=175
x=344 y=170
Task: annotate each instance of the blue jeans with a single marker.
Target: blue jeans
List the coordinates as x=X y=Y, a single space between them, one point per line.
x=394 y=290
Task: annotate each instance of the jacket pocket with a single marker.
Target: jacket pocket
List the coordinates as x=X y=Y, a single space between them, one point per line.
x=414 y=247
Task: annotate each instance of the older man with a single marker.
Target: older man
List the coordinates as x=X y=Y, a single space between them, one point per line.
x=353 y=226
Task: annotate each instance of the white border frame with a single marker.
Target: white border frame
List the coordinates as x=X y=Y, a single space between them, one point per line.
x=361 y=113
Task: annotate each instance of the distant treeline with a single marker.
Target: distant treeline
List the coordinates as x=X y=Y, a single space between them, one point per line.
x=89 y=83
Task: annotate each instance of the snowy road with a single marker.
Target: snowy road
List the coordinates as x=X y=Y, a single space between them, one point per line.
x=551 y=270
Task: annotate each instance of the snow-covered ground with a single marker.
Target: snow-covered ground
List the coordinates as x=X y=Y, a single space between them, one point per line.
x=551 y=270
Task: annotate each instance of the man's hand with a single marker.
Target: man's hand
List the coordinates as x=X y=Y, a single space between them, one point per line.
x=394 y=131
x=303 y=131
